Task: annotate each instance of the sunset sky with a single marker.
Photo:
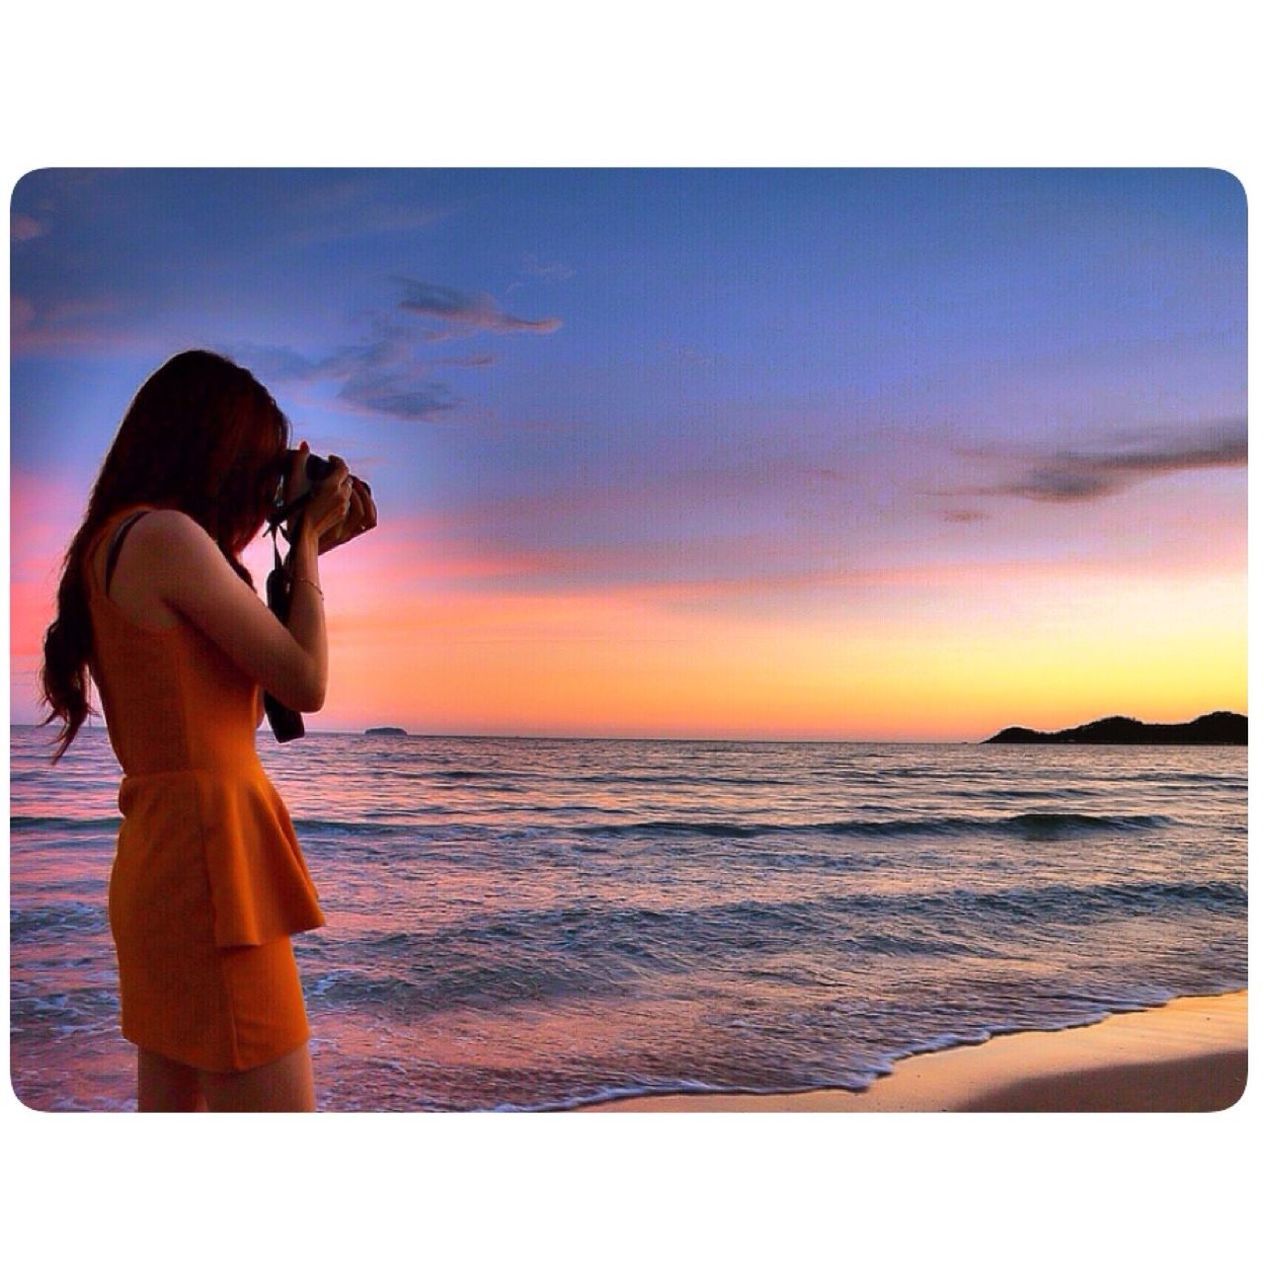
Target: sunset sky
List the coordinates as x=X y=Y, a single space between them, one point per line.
x=906 y=455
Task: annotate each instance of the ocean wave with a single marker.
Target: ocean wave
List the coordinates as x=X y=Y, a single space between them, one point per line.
x=65 y=824
x=1030 y=824
x=666 y=780
x=313 y=826
x=1054 y=823
x=56 y=920
x=595 y=948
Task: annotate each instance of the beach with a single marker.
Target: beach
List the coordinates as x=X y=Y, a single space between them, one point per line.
x=1185 y=1056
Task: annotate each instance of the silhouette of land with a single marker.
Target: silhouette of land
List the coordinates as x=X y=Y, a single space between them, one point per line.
x=385 y=732
x=1220 y=728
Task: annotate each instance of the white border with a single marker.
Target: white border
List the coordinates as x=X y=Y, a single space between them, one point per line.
x=1111 y=84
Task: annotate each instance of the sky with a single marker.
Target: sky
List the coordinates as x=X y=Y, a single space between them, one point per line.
x=753 y=454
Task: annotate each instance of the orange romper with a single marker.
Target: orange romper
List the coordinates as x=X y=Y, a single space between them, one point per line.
x=208 y=882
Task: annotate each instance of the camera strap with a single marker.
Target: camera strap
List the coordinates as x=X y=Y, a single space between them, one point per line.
x=283 y=512
x=276 y=552
x=286 y=724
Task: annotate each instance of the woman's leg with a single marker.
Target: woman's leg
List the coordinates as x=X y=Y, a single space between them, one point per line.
x=164 y=1086
x=281 y=1085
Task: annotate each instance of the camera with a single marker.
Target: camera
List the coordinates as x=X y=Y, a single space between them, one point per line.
x=314 y=470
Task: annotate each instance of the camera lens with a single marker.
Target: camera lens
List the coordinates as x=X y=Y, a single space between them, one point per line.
x=318 y=468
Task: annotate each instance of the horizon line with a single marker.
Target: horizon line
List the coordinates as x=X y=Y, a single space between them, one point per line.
x=525 y=736
x=516 y=736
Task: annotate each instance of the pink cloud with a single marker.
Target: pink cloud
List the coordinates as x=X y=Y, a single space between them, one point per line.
x=444 y=552
x=91 y=325
x=467 y=312
x=79 y=324
x=24 y=227
x=412 y=582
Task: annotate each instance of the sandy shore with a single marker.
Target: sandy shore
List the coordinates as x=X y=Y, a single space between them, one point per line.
x=1187 y=1055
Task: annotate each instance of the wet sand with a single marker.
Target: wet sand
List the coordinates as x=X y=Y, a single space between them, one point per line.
x=1189 y=1055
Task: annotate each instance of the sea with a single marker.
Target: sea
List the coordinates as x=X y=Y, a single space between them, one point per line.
x=524 y=924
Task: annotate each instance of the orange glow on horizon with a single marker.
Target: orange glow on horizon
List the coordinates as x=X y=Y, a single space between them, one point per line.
x=438 y=640
x=615 y=664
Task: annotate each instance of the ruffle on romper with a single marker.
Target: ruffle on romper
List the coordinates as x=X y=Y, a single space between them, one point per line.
x=260 y=887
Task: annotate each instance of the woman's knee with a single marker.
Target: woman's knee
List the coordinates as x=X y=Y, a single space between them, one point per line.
x=283 y=1085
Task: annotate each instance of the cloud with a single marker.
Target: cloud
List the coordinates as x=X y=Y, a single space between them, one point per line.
x=24 y=227
x=95 y=324
x=381 y=375
x=1068 y=477
x=273 y=363
x=398 y=395
x=387 y=373
x=469 y=361
x=466 y=313
x=445 y=556
x=964 y=515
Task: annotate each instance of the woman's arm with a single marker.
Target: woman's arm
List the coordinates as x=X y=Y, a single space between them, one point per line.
x=192 y=577
x=306 y=621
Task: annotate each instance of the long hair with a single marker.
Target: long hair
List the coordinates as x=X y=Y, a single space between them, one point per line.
x=201 y=435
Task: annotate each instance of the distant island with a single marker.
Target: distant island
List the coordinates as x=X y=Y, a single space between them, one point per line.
x=1220 y=728
x=385 y=732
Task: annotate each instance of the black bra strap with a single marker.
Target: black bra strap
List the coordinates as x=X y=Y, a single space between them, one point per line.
x=111 y=558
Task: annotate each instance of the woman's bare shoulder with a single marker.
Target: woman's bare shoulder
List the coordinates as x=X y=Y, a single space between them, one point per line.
x=172 y=523
x=166 y=533
x=180 y=558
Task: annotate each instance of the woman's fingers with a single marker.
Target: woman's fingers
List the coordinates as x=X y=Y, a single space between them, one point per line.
x=364 y=511
x=341 y=477
x=330 y=499
x=343 y=507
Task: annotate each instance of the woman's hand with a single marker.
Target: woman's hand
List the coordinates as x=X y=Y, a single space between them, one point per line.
x=361 y=516
x=331 y=499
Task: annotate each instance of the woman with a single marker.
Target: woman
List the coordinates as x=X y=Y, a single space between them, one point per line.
x=208 y=882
